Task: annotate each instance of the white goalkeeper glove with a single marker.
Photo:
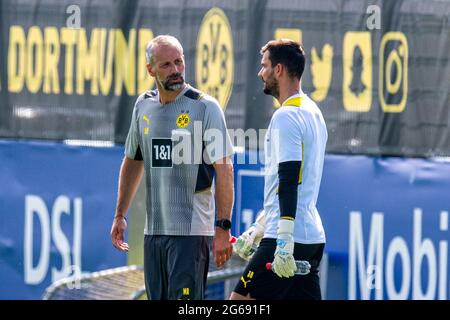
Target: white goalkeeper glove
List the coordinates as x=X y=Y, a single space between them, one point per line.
x=248 y=241
x=283 y=263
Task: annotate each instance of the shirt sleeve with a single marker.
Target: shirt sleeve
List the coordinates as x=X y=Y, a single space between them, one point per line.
x=132 y=149
x=217 y=141
x=287 y=136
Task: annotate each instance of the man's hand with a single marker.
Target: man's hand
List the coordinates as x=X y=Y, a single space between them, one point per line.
x=251 y=238
x=284 y=264
x=117 y=233
x=222 y=248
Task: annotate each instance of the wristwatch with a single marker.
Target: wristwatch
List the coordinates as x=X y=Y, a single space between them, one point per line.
x=225 y=224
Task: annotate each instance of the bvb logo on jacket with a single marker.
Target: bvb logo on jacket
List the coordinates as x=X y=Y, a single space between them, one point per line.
x=183 y=120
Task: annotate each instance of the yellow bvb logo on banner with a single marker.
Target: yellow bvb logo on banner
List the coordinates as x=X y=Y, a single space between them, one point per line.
x=214 y=67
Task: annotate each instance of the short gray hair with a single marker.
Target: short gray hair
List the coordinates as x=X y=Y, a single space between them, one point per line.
x=163 y=40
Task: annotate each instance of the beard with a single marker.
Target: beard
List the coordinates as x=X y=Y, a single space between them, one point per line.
x=271 y=87
x=173 y=82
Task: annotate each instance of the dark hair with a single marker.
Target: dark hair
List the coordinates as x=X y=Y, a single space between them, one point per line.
x=287 y=52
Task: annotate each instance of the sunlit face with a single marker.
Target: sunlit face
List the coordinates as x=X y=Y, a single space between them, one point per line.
x=168 y=67
x=267 y=75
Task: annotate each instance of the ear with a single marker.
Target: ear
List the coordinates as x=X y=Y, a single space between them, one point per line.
x=151 y=70
x=279 y=70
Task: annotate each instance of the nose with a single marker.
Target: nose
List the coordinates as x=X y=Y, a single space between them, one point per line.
x=260 y=73
x=173 y=69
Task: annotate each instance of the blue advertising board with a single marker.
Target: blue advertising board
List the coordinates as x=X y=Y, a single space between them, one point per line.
x=56 y=209
x=387 y=226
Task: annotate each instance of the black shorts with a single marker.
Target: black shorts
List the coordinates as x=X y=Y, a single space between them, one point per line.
x=263 y=284
x=176 y=267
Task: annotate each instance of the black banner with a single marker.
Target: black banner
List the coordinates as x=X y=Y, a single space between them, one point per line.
x=379 y=70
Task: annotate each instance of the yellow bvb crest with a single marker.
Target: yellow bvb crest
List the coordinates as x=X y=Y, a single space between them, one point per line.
x=183 y=120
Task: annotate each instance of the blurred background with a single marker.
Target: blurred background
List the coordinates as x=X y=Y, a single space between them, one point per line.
x=70 y=72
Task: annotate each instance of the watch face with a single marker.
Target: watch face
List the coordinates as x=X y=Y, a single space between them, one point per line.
x=226 y=224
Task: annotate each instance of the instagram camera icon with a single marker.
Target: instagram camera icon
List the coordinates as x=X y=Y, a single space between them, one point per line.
x=393 y=74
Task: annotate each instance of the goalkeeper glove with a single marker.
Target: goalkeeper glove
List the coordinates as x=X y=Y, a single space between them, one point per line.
x=248 y=242
x=284 y=264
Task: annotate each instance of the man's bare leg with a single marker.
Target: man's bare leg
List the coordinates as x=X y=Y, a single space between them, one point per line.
x=237 y=296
